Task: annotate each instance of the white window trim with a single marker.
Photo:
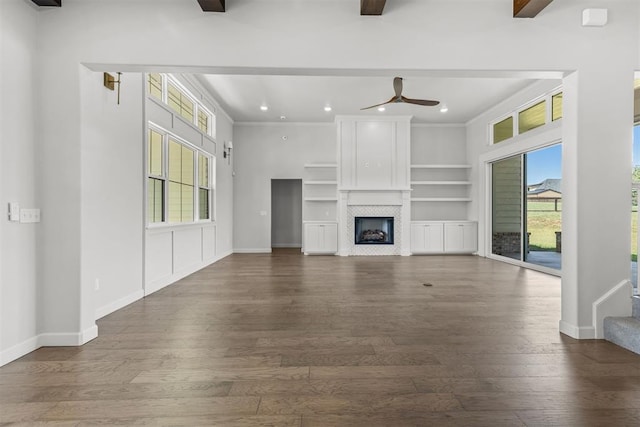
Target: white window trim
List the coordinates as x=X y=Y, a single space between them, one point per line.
x=547 y=97
x=166 y=136
x=198 y=105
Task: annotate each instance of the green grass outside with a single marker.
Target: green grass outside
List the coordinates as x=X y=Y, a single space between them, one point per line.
x=543 y=222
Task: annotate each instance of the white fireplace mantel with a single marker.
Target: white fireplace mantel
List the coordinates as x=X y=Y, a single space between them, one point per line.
x=374 y=180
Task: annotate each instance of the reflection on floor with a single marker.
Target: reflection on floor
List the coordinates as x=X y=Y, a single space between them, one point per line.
x=554 y=260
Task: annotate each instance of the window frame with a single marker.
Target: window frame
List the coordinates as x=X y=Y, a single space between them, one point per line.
x=546 y=98
x=198 y=105
x=168 y=136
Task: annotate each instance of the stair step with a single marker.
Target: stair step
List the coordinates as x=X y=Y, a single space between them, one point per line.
x=623 y=331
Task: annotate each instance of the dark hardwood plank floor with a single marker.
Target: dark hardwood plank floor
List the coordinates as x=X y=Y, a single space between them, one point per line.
x=288 y=340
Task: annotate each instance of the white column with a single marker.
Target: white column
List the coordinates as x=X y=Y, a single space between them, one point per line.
x=596 y=217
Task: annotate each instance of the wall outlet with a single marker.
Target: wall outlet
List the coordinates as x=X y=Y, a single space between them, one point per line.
x=263 y=213
x=97 y=286
x=29 y=215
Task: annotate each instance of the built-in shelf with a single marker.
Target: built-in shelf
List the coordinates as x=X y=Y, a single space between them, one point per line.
x=440 y=182
x=321 y=183
x=321 y=199
x=321 y=165
x=440 y=166
x=441 y=199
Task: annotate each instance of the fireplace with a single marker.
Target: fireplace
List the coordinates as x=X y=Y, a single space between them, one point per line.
x=370 y=230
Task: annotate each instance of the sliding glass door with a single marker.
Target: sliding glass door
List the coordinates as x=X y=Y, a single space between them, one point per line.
x=526 y=207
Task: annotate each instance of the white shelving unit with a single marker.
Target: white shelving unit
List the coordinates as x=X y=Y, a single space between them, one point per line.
x=319 y=210
x=439 y=197
x=440 y=183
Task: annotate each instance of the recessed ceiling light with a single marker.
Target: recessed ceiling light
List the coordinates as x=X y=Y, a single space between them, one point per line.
x=327 y=108
x=381 y=108
x=264 y=107
x=283 y=117
x=444 y=108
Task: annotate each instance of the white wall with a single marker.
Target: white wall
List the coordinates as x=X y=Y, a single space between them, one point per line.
x=328 y=35
x=262 y=155
x=18 y=274
x=112 y=190
x=175 y=251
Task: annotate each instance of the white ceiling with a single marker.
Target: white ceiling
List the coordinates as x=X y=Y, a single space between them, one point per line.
x=302 y=98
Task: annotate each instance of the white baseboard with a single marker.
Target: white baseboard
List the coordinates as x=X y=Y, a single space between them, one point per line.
x=19 y=350
x=252 y=251
x=577 y=332
x=163 y=282
x=117 y=305
x=286 y=245
x=70 y=339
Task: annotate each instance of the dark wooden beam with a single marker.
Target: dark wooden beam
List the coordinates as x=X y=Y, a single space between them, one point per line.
x=212 y=5
x=56 y=3
x=371 y=7
x=528 y=8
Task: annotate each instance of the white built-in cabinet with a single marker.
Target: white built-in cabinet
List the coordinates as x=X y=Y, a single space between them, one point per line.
x=440 y=237
x=319 y=210
x=320 y=238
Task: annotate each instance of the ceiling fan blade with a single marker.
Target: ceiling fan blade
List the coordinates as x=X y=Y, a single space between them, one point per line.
x=425 y=102
x=394 y=99
x=397 y=86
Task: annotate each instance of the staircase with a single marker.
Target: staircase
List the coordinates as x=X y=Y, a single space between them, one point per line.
x=625 y=331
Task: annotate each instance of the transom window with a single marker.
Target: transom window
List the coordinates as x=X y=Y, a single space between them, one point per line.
x=179 y=181
x=168 y=90
x=538 y=113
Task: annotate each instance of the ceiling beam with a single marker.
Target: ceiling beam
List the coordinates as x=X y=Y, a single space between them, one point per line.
x=371 y=7
x=56 y=3
x=528 y=8
x=212 y=5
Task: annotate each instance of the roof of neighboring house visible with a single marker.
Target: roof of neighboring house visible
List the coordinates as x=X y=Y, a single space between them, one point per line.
x=546 y=185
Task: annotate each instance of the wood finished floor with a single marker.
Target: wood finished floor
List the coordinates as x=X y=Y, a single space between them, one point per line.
x=287 y=340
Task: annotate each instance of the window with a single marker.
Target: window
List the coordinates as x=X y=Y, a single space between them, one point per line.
x=155 y=85
x=503 y=130
x=529 y=117
x=179 y=180
x=532 y=117
x=204 y=189
x=203 y=121
x=181 y=188
x=166 y=89
x=556 y=106
x=156 y=179
x=180 y=102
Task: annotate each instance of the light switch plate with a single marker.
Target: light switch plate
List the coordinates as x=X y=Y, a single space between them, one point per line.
x=14 y=211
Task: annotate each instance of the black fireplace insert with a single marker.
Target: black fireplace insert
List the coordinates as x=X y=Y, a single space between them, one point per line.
x=373 y=230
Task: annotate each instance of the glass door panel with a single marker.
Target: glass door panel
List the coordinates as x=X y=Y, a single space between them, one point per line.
x=507 y=196
x=543 y=213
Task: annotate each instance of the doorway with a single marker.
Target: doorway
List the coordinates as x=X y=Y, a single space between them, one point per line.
x=526 y=207
x=286 y=213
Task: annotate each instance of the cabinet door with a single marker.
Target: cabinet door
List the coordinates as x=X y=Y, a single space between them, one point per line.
x=460 y=237
x=321 y=238
x=330 y=243
x=427 y=238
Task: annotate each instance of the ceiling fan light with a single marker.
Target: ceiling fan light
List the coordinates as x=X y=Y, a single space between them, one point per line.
x=381 y=109
x=264 y=107
x=444 y=108
x=327 y=108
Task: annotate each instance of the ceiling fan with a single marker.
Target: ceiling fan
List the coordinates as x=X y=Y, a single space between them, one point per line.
x=397 y=87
